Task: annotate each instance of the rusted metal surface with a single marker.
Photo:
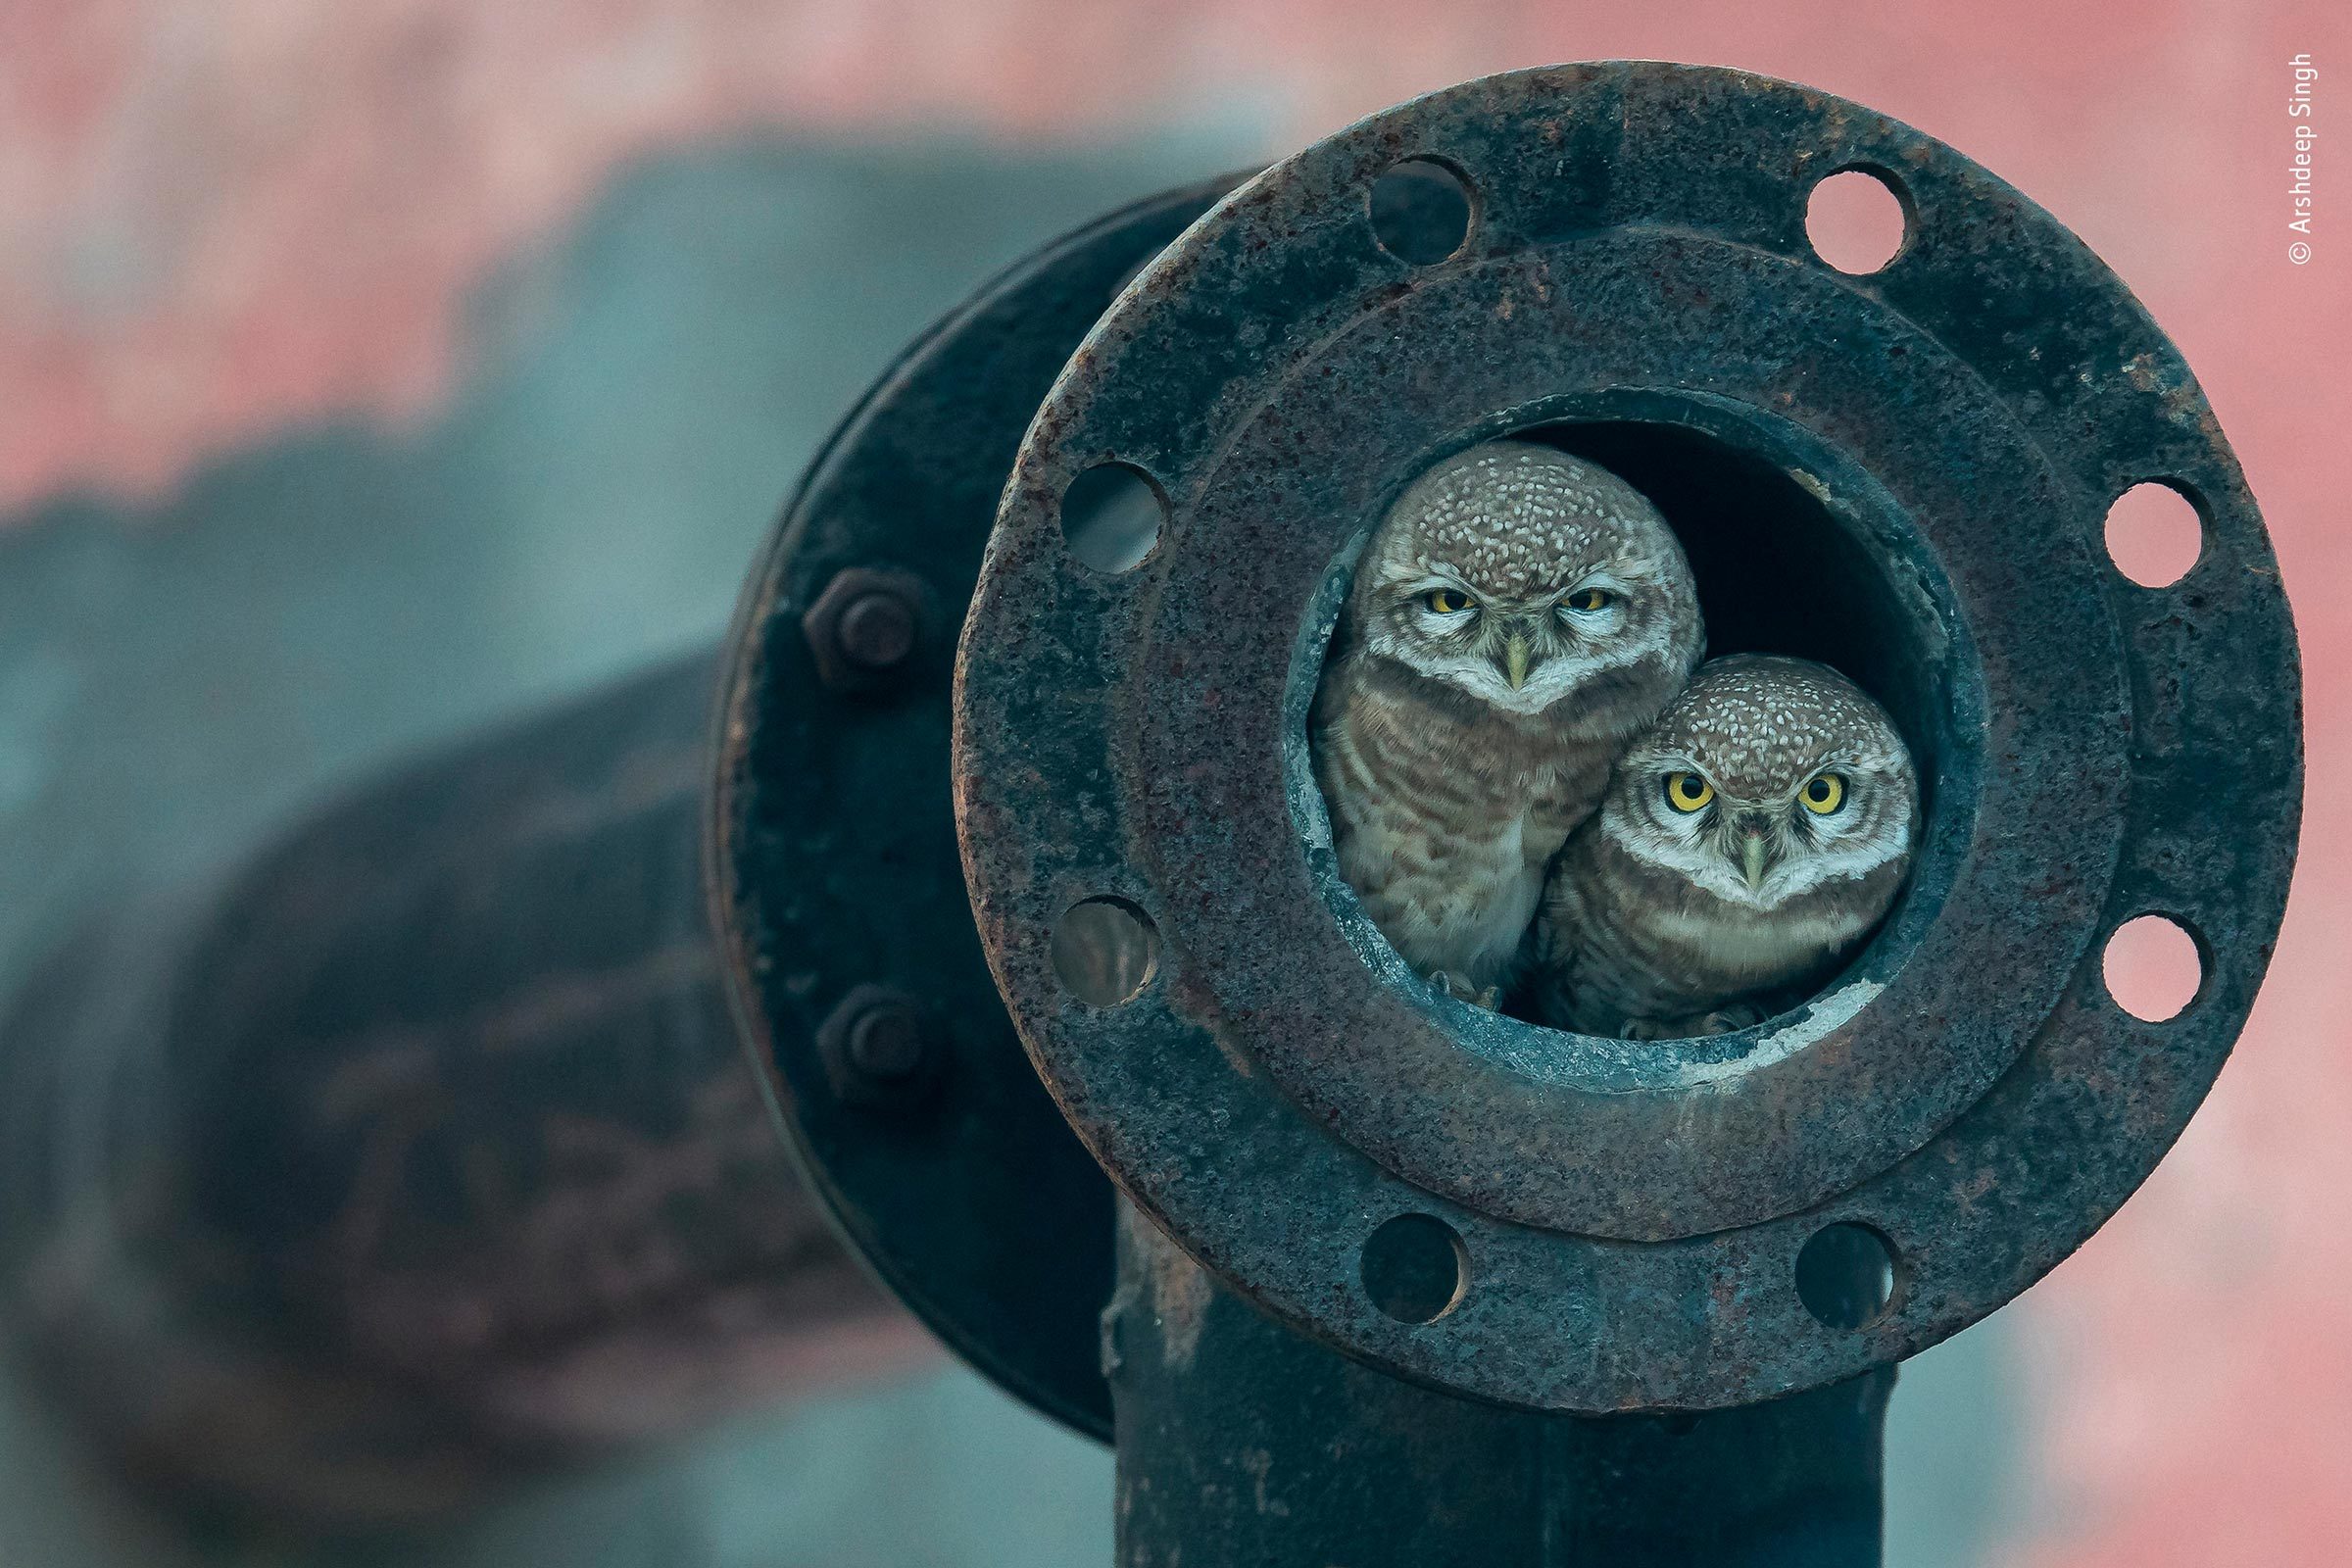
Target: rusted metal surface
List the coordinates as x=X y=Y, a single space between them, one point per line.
x=1241 y=1442
x=419 y=1155
x=1903 y=473
x=880 y=1048
x=834 y=866
x=866 y=625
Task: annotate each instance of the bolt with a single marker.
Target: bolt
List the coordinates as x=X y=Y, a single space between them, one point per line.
x=865 y=626
x=1111 y=1347
x=887 y=1041
x=877 y=630
x=878 y=1048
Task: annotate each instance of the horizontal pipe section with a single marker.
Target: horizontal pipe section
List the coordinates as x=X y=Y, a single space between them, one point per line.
x=418 y=1155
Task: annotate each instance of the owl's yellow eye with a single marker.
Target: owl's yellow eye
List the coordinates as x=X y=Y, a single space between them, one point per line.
x=1688 y=792
x=1448 y=602
x=1584 y=601
x=1823 y=793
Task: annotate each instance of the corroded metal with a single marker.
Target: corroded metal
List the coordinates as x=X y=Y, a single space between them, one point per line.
x=1243 y=1443
x=417 y=1156
x=834 y=862
x=1928 y=452
x=879 y=1047
x=866 y=625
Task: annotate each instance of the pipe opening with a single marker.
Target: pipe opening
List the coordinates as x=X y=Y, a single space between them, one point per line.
x=1792 y=550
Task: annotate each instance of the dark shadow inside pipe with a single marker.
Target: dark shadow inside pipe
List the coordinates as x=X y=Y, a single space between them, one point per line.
x=1777 y=571
x=1795 y=550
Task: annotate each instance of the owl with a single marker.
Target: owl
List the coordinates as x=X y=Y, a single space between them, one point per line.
x=1516 y=618
x=1747 y=843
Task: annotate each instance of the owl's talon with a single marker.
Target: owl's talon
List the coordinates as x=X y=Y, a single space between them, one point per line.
x=1731 y=1020
x=1490 y=999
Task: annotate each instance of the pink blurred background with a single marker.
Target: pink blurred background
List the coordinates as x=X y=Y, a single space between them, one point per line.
x=219 y=218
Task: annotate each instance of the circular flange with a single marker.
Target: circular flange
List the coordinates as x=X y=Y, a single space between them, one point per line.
x=1276 y=1088
x=836 y=888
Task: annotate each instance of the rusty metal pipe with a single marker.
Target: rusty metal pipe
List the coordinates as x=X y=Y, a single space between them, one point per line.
x=1242 y=1442
x=420 y=1154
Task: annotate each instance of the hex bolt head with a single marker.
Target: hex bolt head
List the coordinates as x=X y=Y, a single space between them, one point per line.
x=878 y=1048
x=886 y=1041
x=1111 y=1347
x=865 y=626
x=877 y=630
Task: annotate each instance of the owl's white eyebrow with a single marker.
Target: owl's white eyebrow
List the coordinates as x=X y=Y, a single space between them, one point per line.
x=1676 y=762
x=1857 y=763
x=1432 y=579
x=1597 y=577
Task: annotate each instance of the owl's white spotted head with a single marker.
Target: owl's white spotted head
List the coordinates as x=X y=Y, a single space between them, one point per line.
x=1767 y=780
x=1522 y=576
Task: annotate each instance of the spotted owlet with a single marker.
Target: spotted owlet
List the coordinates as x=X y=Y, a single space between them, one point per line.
x=1745 y=843
x=1516 y=618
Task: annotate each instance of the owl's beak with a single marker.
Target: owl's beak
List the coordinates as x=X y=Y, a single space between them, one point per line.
x=1755 y=852
x=1515 y=654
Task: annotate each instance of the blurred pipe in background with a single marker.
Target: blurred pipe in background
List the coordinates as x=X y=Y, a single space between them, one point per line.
x=421 y=1156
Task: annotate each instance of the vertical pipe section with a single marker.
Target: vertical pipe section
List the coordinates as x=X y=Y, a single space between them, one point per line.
x=1243 y=1443
x=420 y=1154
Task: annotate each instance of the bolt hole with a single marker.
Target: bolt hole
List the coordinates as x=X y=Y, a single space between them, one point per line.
x=1415 y=1268
x=1105 y=951
x=2155 y=533
x=1111 y=516
x=2154 y=966
x=1856 y=220
x=1845 y=1276
x=1421 y=211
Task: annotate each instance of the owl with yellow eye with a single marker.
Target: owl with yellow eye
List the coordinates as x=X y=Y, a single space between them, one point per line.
x=1516 y=618
x=1747 y=843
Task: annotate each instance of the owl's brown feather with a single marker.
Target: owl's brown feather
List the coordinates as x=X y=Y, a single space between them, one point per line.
x=1650 y=924
x=1449 y=786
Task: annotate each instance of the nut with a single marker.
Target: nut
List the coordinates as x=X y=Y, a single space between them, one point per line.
x=879 y=1047
x=866 y=628
x=876 y=630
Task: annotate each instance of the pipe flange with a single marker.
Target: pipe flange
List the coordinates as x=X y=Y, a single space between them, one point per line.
x=1935 y=444
x=836 y=889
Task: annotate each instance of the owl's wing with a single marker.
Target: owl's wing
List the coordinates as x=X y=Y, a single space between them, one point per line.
x=1547 y=957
